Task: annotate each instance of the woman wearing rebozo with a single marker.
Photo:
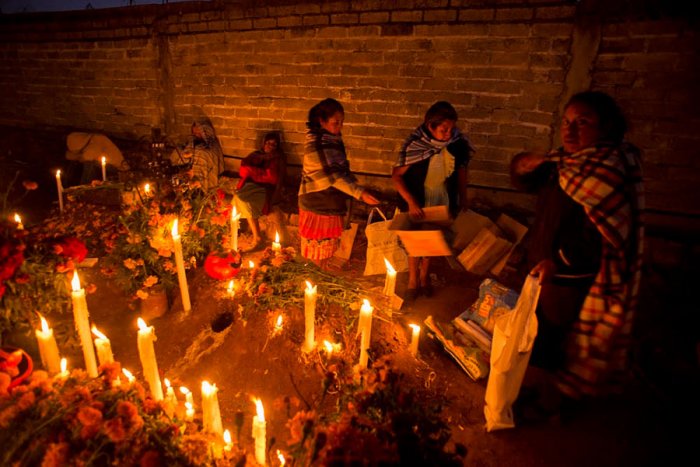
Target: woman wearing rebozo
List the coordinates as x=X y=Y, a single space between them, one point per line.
x=259 y=189
x=204 y=154
x=586 y=246
x=326 y=183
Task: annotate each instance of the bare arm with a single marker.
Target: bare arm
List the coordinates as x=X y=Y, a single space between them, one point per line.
x=414 y=210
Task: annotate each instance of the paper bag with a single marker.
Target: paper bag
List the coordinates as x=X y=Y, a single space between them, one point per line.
x=513 y=338
x=347 y=239
x=383 y=243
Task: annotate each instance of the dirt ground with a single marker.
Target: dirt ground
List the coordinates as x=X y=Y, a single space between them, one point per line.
x=245 y=360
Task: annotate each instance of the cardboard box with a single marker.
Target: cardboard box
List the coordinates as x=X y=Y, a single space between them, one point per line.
x=486 y=245
x=424 y=237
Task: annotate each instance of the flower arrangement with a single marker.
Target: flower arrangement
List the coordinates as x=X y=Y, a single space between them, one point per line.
x=75 y=420
x=34 y=274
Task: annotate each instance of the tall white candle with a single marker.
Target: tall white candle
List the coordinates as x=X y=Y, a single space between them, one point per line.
x=103 y=346
x=18 y=219
x=188 y=395
x=189 y=411
x=309 y=316
x=170 y=401
x=104 y=169
x=59 y=188
x=211 y=415
x=415 y=336
x=147 y=355
x=366 y=330
x=235 y=218
x=180 y=264
x=48 y=350
x=82 y=325
x=390 y=281
x=259 y=434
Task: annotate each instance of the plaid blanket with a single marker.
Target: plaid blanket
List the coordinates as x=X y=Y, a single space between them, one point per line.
x=607 y=182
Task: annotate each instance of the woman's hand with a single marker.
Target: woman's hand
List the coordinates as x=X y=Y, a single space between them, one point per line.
x=545 y=270
x=415 y=211
x=526 y=162
x=367 y=198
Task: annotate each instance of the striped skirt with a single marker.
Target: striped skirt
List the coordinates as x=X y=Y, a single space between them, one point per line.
x=320 y=234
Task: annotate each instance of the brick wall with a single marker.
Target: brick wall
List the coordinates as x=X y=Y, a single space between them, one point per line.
x=255 y=66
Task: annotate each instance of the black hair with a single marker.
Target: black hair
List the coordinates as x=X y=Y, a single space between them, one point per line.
x=438 y=113
x=323 y=111
x=272 y=135
x=613 y=124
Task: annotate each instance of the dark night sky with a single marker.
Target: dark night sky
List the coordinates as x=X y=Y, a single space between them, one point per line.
x=18 y=6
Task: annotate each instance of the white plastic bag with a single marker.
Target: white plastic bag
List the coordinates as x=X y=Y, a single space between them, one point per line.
x=383 y=243
x=513 y=338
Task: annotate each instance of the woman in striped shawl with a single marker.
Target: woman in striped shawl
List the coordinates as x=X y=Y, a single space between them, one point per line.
x=586 y=245
x=326 y=183
x=203 y=154
x=431 y=171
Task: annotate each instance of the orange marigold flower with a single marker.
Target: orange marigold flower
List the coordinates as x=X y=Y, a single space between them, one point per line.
x=91 y=419
x=150 y=459
x=114 y=429
x=56 y=455
x=26 y=401
x=30 y=185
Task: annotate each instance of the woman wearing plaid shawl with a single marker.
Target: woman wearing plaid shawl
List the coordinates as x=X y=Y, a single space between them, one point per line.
x=326 y=183
x=203 y=154
x=431 y=171
x=586 y=245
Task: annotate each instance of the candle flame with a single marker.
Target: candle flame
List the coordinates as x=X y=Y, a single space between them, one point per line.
x=277 y=237
x=174 y=231
x=415 y=327
x=310 y=288
x=75 y=283
x=147 y=188
x=365 y=303
x=18 y=219
x=128 y=375
x=44 y=325
x=227 y=437
x=208 y=389
x=389 y=267
x=167 y=382
x=230 y=287
x=251 y=264
x=259 y=410
x=280 y=456
x=104 y=160
x=64 y=365
x=58 y=174
x=328 y=346
x=184 y=390
x=234 y=214
x=278 y=323
x=97 y=333
x=142 y=324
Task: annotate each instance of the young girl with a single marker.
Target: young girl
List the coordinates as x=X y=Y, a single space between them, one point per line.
x=432 y=171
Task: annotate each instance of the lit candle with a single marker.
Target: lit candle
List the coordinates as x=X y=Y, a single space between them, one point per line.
x=211 y=414
x=309 y=316
x=251 y=264
x=230 y=290
x=129 y=376
x=281 y=458
x=104 y=169
x=180 y=263
x=103 y=346
x=228 y=443
x=259 y=434
x=276 y=246
x=390 y=281
x=147 y=189
x=413 y=348
x=329 y=348
x=170 y=402
x=18 y=219
x=59 y=187
x=278 y=324
x=365 y=325
x=64 y=369
x=235 y=217
x=48 y=350
x=188 y=395
x=189 y=411
x=82 y=325
x=147 y=355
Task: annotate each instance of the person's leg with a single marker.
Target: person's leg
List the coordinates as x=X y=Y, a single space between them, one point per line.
x=412 y=290
x=425 y=284
x=255 y=230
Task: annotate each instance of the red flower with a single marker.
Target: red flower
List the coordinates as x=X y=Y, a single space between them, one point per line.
x=222 y=267
x=71 y=247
